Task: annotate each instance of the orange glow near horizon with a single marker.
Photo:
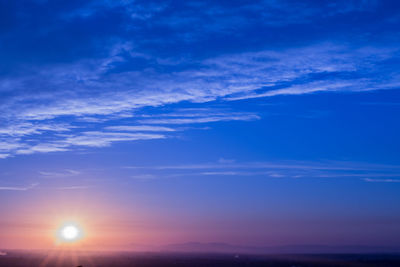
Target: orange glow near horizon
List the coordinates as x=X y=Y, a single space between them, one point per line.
x=112 y=227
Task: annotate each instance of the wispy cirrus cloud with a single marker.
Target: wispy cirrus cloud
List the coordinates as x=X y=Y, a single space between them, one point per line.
x=139 y=128
x=275 y=170
x=27 y=149
x=76 y=187
x=305 y=165
x=66 y=137
x=200 y=119
x=4 y=155
x=65 y=173
x=115 y=75
x=370 y=180
x=260 y=74
x=101 y=139
x=19 y=188
x=28 y=128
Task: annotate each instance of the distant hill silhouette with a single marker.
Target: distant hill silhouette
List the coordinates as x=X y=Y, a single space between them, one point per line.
x=215 y=247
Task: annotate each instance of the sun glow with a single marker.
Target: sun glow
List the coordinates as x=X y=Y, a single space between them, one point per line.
x=69 y=232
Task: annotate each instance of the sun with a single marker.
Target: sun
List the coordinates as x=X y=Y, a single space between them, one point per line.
x=69 y=232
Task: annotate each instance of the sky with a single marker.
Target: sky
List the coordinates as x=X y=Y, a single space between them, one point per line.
x=262 y=123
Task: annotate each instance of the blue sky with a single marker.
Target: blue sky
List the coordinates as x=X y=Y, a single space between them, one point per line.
x=284 y=113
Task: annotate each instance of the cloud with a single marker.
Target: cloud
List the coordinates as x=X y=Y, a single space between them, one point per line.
x=249 y=117
x=67 y=141
x=221 y=173
x=197 y=116
x=242 y=173
x=224 y=161
x=226 y=18
x=140 y=128
x=41 y=148
x=143 y=176
x=394 y=104
x=76 y=187
x=19 y=188
x=285 y=169
x=60 y=139
x=102 y=139
x=234 y=74
x=65 y=173
x=381 y=180
x=27 y=128
x=95 y=69
x=301 y=165
x=240 y=76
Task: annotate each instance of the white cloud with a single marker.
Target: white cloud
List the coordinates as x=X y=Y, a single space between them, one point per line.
x=249 y=117
x=144 y=176
x=42 y=148
x=102 y=139
x=382 y=180
x=221 y=173
x=91 y=103
x=140 y=128
x=214 y=78
x=224 y=161
x=28 y=128
x=285 y=169
x=3 y=155
x=65 y=173
x=76 y=187
x=288 y=165
x=19 y=188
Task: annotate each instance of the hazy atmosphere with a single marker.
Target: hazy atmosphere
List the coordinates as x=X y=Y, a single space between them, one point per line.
x=200 y=125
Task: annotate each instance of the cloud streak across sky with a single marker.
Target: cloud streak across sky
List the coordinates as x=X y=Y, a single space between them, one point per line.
x=273 y=170
x=110 y=76
x=18 y=188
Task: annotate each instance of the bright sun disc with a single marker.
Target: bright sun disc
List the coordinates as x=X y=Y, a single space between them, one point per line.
x=69 y=232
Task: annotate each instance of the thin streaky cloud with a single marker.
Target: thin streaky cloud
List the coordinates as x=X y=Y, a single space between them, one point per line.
x=381 y=180
x=143 y=176
x=250 y=117
x=293 y=169
x=251 y=72
x=330 y=165
x=102 y=139
x=19 y=188
x=77 y=187
x=27 y=128
x=138 y=128
x=41 y=148
x=108 y=90
x=228 y=173
x=199 y=112
x=240 y=173
x=64 y=173
x=381 y=104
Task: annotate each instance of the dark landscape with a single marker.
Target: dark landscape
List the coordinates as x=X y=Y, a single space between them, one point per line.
x=66 y=259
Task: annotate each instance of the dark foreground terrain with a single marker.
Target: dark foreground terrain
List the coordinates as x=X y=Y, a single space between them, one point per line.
x=73 y=259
